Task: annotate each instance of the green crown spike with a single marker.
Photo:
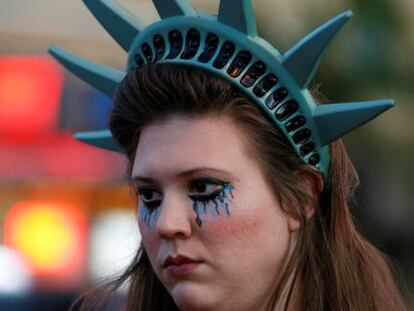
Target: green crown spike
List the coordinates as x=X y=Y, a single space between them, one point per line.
x=169 y=8
x=228 y=46
x=239 y=15
x=303 y=59
x=100 y=139
x=121 y=24
x=103 y=78
x=335 y=120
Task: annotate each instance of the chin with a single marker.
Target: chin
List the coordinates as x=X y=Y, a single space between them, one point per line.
x=190 y=297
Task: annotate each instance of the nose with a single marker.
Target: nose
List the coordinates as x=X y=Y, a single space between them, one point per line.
x=174 y=219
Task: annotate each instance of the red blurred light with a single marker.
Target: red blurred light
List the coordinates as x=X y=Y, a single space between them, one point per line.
x=59 y=156
x=30 y=91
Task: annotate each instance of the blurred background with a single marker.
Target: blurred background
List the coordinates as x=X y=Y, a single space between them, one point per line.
x=67 y=218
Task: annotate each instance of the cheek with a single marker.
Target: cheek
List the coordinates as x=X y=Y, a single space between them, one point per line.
x=149 y=238
x=229 y=233
x=253 y=235
x=233 y=226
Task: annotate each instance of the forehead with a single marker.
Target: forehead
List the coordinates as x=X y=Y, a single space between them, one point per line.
x=180 y=143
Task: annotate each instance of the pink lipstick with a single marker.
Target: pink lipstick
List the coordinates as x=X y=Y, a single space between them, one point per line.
x=180 y=265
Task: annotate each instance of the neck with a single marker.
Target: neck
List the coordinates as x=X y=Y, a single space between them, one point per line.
x=290 y=296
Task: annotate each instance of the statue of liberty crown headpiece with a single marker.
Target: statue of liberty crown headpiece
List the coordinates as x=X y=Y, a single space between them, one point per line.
x=228 y=46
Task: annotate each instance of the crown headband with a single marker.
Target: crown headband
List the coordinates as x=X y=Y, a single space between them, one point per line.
x=228 y=45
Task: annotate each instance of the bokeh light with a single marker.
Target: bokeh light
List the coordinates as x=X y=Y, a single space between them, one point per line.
x=30 y=90
x=51 y=235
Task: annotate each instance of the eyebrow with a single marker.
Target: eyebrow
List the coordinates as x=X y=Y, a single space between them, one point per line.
x=182 y=174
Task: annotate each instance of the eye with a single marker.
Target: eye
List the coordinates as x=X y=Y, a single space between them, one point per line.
x=151 y=198
x=205 y=189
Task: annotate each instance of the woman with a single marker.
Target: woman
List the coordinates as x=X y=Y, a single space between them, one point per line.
x=286 y=238
x=243 y=188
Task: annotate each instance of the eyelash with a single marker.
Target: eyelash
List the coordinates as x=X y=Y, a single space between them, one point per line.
x=151 y=205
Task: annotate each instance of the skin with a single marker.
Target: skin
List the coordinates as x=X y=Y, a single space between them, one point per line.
x=241 y=253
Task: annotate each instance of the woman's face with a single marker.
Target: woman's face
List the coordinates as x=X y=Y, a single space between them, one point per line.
x=214 y=232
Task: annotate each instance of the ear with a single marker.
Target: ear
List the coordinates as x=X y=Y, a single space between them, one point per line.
x=312 y=184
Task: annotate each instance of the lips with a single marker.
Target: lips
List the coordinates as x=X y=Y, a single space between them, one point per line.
x=180 y=265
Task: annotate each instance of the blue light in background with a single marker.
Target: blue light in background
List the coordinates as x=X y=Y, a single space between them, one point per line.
x=98 y=109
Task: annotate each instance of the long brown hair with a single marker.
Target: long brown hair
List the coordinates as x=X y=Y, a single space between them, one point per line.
x=336 y=267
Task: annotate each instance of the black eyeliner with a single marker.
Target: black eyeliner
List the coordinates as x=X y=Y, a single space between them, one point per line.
x=205 y=198
x=151 y=205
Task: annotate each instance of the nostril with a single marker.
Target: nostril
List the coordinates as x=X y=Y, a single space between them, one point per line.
x=173 y=229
